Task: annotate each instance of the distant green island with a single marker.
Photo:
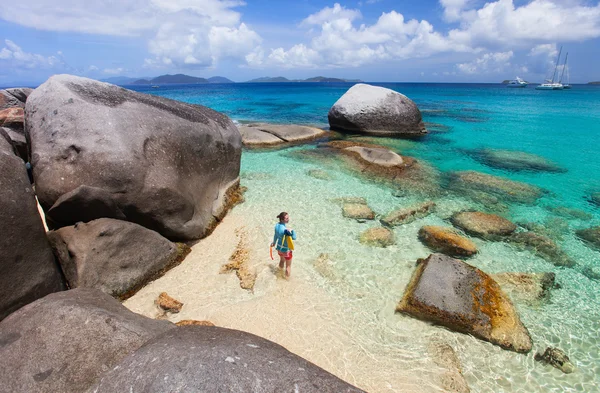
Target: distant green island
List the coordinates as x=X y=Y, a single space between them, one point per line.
x=268 y=79
x=594 y=83
x=187 y=79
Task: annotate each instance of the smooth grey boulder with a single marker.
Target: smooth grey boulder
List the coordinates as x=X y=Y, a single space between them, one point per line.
x=214 y=359
x=18 y=141
x=376 y=110
x=12 y=98
x=257 y=134
x=20 y=93
x=116 y=257
x=28 y=270
x=461 y=297
x=168 y=166
x=65 y=341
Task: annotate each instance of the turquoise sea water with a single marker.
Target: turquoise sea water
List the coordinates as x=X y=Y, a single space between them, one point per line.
x=561 y=126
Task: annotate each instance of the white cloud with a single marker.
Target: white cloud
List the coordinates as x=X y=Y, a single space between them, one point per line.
x=184 y=33
x=327 y=14
x=453 y=9
x=12 y=56
x=488 y=63
x=114 y=71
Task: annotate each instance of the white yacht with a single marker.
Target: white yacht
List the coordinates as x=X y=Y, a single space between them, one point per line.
x=518 y=82
x=562 y=75
x=549 y=84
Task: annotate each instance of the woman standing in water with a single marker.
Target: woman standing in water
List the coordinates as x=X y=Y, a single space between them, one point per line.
x=283 y=249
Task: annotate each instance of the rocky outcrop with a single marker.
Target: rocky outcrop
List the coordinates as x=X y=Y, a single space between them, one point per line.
x=530 y=288
x=210 y=359
x=65 y=341
x=447 y=241
x=14 y=98
x=377 y=237
x=358 y=211
x=484 y=225
x=515 y=161
x=408 y=215
x=461 y=297
x=28 y=268
x=17 y=139
x=12 y=118
x=542 y=246
x=166 y=165
x=116 y=257
x=376 y=111
x=556 y=358
x=264 y=134
x=591 y=236
x=506 y=189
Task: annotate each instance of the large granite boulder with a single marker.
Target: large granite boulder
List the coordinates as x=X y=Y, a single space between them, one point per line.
x=454 y=294
x=14 y=98
x=376 y=111
x=214 y=359
x=27 y=266
x=264 y=134
x=116 y=257
x=506 y=189
x=166 y=165
x=447 y=241
x=484 y=225
x=65 y=341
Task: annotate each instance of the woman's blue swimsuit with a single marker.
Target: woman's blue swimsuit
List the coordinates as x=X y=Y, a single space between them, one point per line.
x=280 y=231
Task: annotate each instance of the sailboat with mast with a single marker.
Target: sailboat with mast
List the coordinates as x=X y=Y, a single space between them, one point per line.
x=562 y=74
x=549 y=84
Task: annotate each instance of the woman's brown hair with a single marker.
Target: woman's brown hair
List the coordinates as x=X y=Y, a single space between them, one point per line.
x=282 y=215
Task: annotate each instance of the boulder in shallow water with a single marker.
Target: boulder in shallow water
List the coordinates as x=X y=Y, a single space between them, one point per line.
x=516 y=161
x=531 y=288
x=377 y=155
x=65 y=341
x=504 y=188
x=319 y=174
x=595 y=198
x=542 y=246
x=461 y=297
x=408 y=215
x=447 y=241
x=452 y=380
x=27 y=265
x=591 y=236
x=377 y=237
x=484 y=225
x=169 y=166
x=214 y=359
x=358 y=211
x=264 y=134
x=116 y=257
x=556 y=358
x=376 y=111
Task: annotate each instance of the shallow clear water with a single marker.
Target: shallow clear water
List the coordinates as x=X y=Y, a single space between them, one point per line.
x=560 y=126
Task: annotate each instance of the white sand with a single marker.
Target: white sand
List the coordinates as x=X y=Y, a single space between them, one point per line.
x=295 y=313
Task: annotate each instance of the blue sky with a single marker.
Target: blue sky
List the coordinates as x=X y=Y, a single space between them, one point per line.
x=372 y=40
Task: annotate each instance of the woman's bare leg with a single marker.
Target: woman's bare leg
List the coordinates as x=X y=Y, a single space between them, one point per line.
x=281 y=262
x=288 y=267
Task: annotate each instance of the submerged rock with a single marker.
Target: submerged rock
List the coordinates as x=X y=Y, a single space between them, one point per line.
x=591 y=236
x=504 y=188
x=527 y=287
x=484 y=225
x=595 y=198
x=65 y=341
x=543 y=247
x=377 y=237
x=264 y=134
x=376 y=111
x=568 y=212
x=169 y=166
x=358 y=211
x=452 y=381
x=447 y=241
x=461 y=297
x=515 y=160
x=116 y=257
x=408 y=215
x=214 y=359
x=377 y=155
x=556 y=358
x=319 y=174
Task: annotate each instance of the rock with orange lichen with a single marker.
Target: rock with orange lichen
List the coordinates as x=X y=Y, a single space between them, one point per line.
x=487 y=226
x=377 y=237
x=452 y=293
x=187 y=322
x=358 y=211
x=447 y=241
x=167 y=303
